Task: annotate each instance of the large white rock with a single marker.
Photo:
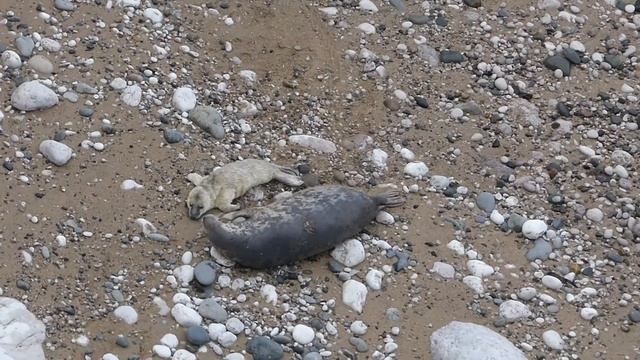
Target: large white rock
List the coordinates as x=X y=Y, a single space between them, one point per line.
x=127 y=314
x=533 y=229
x=312 y=142
x=131 y=95
x=467 y=341
x=512 y=310
x=354 y=295
x=350 y=253
x=479 y=268
x=56 y=152
x=184 y=99
x=21 y=333
x=153 y=14
x=33 y=95
x=185 y=316
x=303 y=334
x=416 y=169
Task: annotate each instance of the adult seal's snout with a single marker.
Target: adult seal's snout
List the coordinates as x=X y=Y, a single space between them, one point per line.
x=305 y=224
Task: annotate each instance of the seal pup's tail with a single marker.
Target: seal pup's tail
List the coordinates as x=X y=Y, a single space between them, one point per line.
x=288 y=176
x=389 y=198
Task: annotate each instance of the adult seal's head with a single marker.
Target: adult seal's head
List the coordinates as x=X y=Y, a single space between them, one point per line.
x=305 y=224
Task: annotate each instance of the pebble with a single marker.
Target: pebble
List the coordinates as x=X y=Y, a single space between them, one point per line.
x=131 y=95
x=65 y=5
x=350 y=253
x=209 y=120
x=211 y=309
x=56 y=152
x=153 y=14
x=479 y=268
x=303 y=334
x=182 y=354
x=314 y=143
x=205 y=272
x=360 y=345
x=33 y=95
x=263 y=348
x=501 y=84
x=454 y=57
x=374 y=279
x=512 y=310
x=552 y=282
x=444 y=270
x=11 y=59
x=41 y=64
x=128 y=185
x=588 y=313
x=184 y=99
x=173 y=136
x=367 y=28
x=595 y=215
x=169 y=340
x=25 y=45
x=122 y=341
x=486 y=202
x=533 y=229
x=197 y=335
x=541 y=250
x=234 y=325
x=127 y=314
x=185 y=316
x=385 y=218
x=460 y=340
x=558 y=62
x=354 y=295
x=553 y=340
x=227 y=339
x=416 y=169
x=164 y=352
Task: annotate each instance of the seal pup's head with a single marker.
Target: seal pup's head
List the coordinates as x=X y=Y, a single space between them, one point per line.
x=200 y=199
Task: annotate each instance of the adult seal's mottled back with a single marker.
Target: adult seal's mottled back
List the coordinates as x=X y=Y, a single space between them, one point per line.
x=307 y=223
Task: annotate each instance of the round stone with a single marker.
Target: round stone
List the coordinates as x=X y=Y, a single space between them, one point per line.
x=234 y=325
x=33 y=95
x=205 y=272
x=533 y=229
x=553 y=340
x=126 y=314
x=173 y=136
x=501 y=84
x=56 y=152
x=211 y=309
x=184 y=99
x=303 y=334
x=595 y=215
x=197 y=335
x=552 y=282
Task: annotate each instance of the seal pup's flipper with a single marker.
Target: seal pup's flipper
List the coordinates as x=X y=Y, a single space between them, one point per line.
x=245 y=213
x=195 y=179
x=389 y=198
x=288 y=176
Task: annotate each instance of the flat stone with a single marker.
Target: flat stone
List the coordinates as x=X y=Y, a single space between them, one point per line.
x=486 y=201
x=56 y=152
x=206 y=272
x=25 y=45
x=208 y=119
x=41 y=64
x=211 y=309
x=263 y=348
x=558 y=62
x=472 y=3
x=33 y=95
x=454 y=57
x=65 y=5
x=572 y=55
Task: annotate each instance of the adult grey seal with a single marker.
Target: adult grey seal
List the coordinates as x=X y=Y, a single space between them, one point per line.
x=304 y=224
x=224 y=184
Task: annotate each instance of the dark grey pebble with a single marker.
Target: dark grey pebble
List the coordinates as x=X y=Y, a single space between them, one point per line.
x=314 y=355
x=108 y=129
x=23 y=285
x=84 y=88
x=515 y=222
x=614 y=60
x=335 y=266
x=472 y=3
x=614 y=256
x=158 y=237
x=197 y=335
x=86 y=111
x=361 y=345
x=422 y=102
x=59 y=135
x=211 y=309
x=563 y=109
x=206 y=272
x=558 y=62
x=448 y=56
x=122 y=341
x=541 y=250
x=7 y=165
x=572 y=56
x=634 y=316
x=173 y=136
x=263 y=348
x=282 y=339
x=442 y=21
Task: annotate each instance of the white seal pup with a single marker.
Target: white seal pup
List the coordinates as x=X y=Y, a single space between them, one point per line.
x=293 y=228
x=231 y=181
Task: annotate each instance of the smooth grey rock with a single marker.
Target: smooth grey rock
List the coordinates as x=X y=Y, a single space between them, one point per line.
x=467 y=341
x=516 y=221
x=25 y=45
x=486 y=201
x=558 y=62
x=33 y=95
x=205 y=272
x=197 y=335
x=572 y=56
x=84 y=88
x=209 y=120
x=85 y=111
x=454 y=57
x=173 y=136
x=312 y=356
x=56 y=152
x=419 y=19
x=541 y=250
x=634 y=316
x=211 y=309
x=360 y=345
x=473 y=3
x=429 y=54
x=41 y=64
x=71 y=96
x=393 y=314
x=21 y=333
x=399 y=5
x=65 y=5
x=122 y=341
x=263 y=348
